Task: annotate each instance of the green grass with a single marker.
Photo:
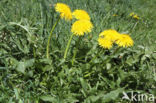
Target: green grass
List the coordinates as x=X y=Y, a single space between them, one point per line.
x=95 y=75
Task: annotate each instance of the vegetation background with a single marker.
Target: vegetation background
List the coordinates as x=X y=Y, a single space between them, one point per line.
x=95 y=75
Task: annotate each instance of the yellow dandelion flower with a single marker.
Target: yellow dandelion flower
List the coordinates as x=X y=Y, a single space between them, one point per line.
x=81 y=15
x=132 y=14
x=125 y=41
x=115 y=15
x=81 y=27
x=136 y=17
x=105 y=43
x=64 y=11
x=110 y=34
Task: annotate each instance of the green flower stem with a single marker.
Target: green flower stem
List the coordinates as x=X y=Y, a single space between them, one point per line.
x=50 y=36
x=74 y=56
x=68 y=45
x=75 y=51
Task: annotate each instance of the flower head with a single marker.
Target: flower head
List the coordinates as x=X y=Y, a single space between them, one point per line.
x=110 y=34
x=64 y=11
x=81 y=15
x=124 y=41
x=105 y=43
x=115 y=15
x=81 y=26
x=135 y=16
x=132 y=14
